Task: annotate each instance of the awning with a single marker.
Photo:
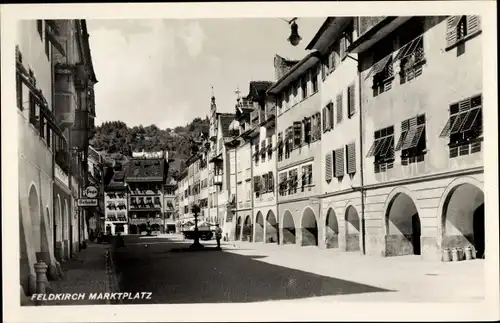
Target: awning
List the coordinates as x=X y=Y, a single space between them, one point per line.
x=409 y=48
x=379 y=66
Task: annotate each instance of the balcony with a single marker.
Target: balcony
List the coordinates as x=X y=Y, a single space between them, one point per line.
x=257 y=117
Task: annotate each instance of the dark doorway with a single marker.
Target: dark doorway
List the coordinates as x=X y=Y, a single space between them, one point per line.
x=416 y=233
x=478 y=227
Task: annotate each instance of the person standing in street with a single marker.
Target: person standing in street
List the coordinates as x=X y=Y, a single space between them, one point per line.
x=218 y=234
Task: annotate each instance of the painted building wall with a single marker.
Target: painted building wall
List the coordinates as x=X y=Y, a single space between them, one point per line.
x=455 y=71
x=112 y=215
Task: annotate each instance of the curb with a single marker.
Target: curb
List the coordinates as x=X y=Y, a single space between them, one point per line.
x=111 y=277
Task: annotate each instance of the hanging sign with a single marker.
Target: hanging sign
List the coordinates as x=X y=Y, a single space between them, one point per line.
x=87 y=202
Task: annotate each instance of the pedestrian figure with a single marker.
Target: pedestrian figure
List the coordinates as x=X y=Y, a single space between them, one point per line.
x=218 y=234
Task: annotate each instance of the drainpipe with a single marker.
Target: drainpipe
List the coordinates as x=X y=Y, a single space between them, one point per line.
x=362 y=190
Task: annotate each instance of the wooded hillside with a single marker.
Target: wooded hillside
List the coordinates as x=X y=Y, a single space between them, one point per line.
x=117 y=141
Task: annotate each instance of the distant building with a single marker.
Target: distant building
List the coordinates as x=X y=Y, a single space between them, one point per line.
x=169 y=214
x=145 y=178
x=116 y=203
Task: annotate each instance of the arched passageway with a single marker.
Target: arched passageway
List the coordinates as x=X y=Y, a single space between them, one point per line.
x=288 y=229
x=133 y=229
x=403 y=227
x=238 y=229
x=34 y=209
x=247 y=229
x=271 y=228
x=352 y=229
x=309 y=228
x=259 y=227
x=331 y=230
x=58 y=230
x=463 y=218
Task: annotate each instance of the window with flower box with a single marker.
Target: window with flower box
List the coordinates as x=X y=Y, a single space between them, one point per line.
x=383 y=149
x=464 y=127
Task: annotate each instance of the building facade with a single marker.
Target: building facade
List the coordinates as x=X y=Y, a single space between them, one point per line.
x=116 y=194
x=51 y=162
x=421 y=91
x=169 y=214
x=340 y=220
x=145 y=177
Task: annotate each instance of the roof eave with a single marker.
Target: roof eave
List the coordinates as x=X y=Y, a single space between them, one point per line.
x=320 y=32
x=311 y=58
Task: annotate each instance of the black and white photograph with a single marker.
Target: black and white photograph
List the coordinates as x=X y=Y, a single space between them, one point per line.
x=279 y=159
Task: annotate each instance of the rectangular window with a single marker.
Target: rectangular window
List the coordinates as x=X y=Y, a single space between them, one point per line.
x=346 y=40
x=263 y=150
x=464 y=127
x=288 y=141
x=256 y=153
x=351 y=100
x=19 y=92
x=269 y=148
x=306 y=175
x=412 y=59
x=283 y=184
x=383 y=74
x=458 y=27
x=270 y=179
x=412 y=142
x=303 y=86
x=383 y=149
x=340 y=111
x=351 y=158
x=280 y=146
x=314 y=79
x=307 y=130
x=297 y=134
x=293 y=181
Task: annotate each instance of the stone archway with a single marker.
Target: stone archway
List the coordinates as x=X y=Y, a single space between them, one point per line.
x=238 y=229
x=259 y=228
x=34 y=209
x=463 y=219
x=247 y=229
x=352 y=229
x=331 y=230
x=403 y=227
x=309 y=227
x=288 y=229
x=271 y=228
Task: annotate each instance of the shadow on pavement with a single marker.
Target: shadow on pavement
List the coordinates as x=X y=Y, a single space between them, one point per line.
x=217 y=277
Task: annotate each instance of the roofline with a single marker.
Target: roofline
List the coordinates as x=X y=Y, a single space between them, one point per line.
x=320 y=32
x=86 y=50
x=312 y=54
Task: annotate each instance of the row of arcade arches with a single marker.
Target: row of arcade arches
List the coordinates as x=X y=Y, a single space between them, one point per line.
x=462 y=223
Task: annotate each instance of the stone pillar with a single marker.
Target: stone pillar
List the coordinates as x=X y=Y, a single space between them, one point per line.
x=41 y=277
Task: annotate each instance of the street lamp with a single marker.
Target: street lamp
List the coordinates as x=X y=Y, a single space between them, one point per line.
x=294 y=38
x=195 y=208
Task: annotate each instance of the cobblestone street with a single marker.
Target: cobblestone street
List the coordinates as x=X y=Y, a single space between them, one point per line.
x=246 y=272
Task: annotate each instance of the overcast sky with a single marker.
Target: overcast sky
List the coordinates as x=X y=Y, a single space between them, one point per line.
x=161 y=71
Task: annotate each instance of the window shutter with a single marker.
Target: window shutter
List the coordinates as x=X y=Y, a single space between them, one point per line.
x=473 y=24
x=339 y=108
x=351 y=103
x=318 y=118
x=339 y=162
x=271 y=181
x=451 y=33
x=351 y=158
x=324 y=119
x=328 y=166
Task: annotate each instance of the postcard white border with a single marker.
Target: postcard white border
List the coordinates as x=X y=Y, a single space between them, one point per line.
x=270 y=311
